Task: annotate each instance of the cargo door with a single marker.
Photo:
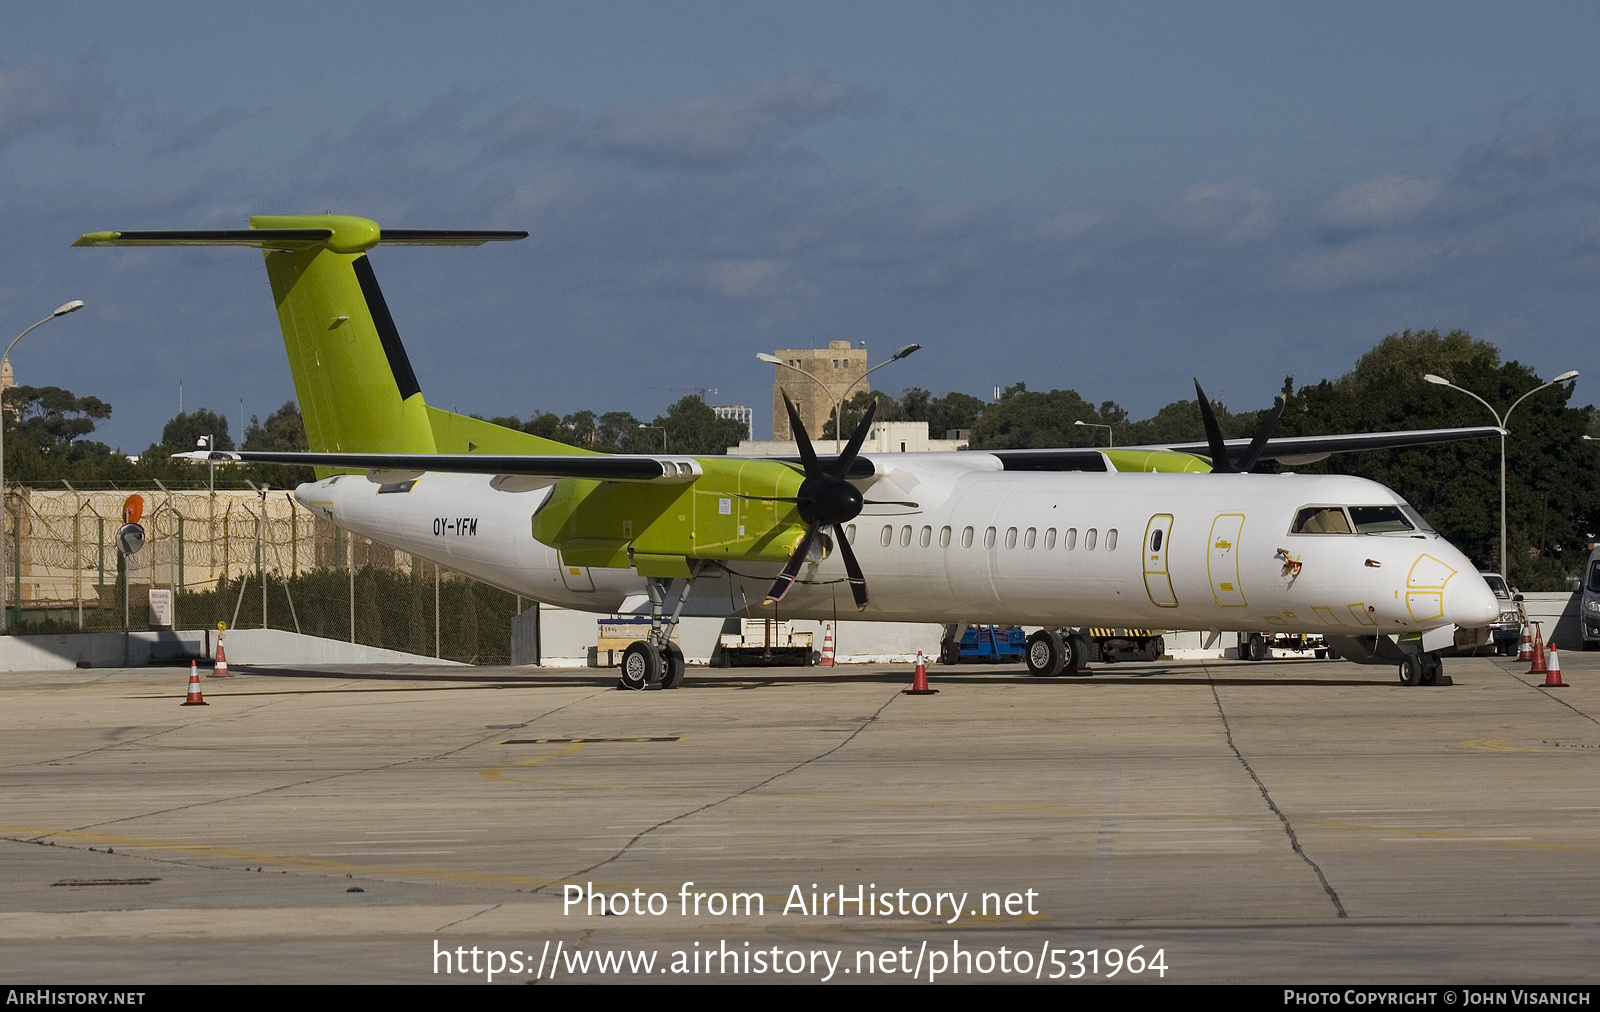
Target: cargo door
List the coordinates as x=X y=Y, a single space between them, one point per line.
x=1222 y=560
x=1157 y=581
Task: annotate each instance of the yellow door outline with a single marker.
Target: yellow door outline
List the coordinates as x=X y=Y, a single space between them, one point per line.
x=1222 y=560
x=1157 y=580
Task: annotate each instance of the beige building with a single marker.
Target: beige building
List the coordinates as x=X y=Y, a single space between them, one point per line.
x=836 y=372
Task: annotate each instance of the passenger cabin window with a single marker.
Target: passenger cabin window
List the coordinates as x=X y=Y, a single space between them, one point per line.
x=1069 y=540
x=1050 y=538
x=1155 y=540
x=966 y=537
x=1088 y=539
x=850 y=533
x=905 y=536
x=887 y=536
x=1380 y=520
x=1011 y=537
x=1111 y=540
x=1028 y=537
x=944 y=537
x=927 y=537
x=988 y=537
x=1321 y=520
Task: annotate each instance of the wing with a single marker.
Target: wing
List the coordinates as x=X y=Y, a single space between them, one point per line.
x=392 y=467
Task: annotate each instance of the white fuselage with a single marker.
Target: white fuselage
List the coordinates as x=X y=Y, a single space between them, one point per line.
x=1164 y=551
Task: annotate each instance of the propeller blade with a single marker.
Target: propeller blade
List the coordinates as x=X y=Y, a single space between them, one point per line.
x=1253 y=451
x=791 y=569
x=808 y=456
x=842 y=466
x=858 y=583
x=1220 y=464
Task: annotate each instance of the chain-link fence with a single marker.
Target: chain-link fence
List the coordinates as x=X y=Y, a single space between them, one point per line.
x=60 y=571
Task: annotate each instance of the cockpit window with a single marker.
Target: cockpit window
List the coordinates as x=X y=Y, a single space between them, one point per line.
x=1321 y=520
x=1380 y=520
x=1416 y=519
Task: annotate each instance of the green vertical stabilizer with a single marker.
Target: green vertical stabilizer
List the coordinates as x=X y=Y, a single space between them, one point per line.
x=355 y=385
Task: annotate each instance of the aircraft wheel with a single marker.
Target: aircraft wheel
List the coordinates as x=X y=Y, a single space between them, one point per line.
x=672 y=664
x=1432 y=668
x=1254 y=647
x=1075 y=655
x=641 y=665
x=1046 y=653
x=1411 y=670
x=949 y=652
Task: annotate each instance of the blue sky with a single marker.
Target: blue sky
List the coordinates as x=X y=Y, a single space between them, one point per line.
x=1105 y=197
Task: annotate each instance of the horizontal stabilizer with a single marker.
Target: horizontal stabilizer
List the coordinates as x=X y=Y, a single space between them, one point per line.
x=291 y=238
x=260 y=238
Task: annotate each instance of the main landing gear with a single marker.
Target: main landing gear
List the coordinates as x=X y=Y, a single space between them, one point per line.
x=1054 y=652
x=656 y=662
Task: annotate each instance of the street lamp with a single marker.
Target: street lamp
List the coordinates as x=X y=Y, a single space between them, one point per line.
x=839 y=401
x=1500 y=420
x=210 y=443
x=663 y=434
x=1111 y=439
x=71 y=307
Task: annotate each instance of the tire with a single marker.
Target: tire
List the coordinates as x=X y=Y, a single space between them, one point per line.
x=641 y=665
x=1432 y=668
x=1075 y=655
x=1046 y=653
x=1253 y=647
x=949 y=653
x=1411 y=670
x=672 y=667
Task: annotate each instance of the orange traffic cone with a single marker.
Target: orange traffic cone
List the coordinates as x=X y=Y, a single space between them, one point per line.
x=919 y=681
x=1525 y=648
x=194 y=688
x=1552 y=677
x=1538 y=667
x=220 y=669
x=827 y=646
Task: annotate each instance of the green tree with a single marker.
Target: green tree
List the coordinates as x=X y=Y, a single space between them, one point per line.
x=692 y=427
x=1551 y=481
x=56 y=419
x=183 y=430
x=283 y=431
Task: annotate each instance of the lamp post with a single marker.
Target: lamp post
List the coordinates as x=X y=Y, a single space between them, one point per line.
x=71 y=307
x=839 y=401
x=1111 y=439
x=663 y=434
x=1500 y=420
x=210 y=443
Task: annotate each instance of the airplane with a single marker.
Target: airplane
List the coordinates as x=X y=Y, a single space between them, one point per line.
x=1179 y=536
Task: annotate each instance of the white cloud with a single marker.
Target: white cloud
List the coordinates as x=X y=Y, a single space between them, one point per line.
x=1376 y=203
x=1380 y=260
x=1234 y=212
x=713 y=128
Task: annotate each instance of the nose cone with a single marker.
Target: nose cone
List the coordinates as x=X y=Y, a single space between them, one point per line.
x=1471 y=602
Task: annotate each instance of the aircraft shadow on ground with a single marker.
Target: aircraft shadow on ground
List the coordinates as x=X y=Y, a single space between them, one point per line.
x=751 y=678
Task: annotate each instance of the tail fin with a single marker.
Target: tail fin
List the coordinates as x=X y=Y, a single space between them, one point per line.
x=356 y=388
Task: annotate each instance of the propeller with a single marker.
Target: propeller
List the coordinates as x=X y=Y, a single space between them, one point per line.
x=825 y=499
x=1220 y=461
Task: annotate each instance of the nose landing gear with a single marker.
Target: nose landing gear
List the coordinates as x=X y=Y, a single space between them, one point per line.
x=1423 y=669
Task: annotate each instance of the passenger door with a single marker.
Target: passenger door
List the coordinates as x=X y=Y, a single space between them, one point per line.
x=1157 y=580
